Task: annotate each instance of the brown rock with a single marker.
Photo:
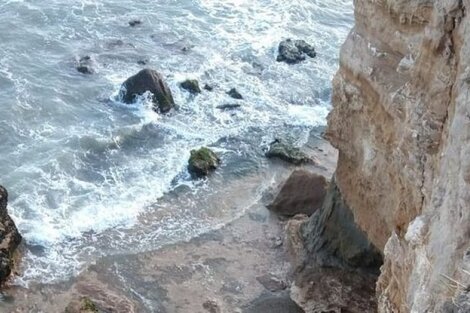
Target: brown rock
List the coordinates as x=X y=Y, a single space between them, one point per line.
x=148 y=80
x=302 y=193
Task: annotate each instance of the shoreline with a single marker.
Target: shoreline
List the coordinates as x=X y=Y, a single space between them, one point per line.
x=227 y=267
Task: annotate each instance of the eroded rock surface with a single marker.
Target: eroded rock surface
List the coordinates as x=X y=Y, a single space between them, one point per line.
x=401 y=123
x=10 y=238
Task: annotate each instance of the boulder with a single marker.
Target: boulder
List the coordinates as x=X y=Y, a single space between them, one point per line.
x=10 y=238
x=148 y=80
x=286 y=152
x=191 y=85
x=85 y=65
x=294 y=51
x=235 y=94
x=302 y=193
x=202 y=162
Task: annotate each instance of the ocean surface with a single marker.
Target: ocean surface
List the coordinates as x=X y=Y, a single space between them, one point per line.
x=90 y=176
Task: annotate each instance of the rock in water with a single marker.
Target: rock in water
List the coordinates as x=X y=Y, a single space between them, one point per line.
x=228 y=106
x=191 y=85
x=295 y=51
x=235 y=94
x=134 y=23
x=284 y=151
x=10 y=238
x=302 y=193
x=85 y=65
x=202 y=162
x=148 y=80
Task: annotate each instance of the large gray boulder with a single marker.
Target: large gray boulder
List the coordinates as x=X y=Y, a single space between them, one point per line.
x=148 y=80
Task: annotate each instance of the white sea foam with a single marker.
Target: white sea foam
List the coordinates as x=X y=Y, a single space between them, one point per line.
x=84 y=170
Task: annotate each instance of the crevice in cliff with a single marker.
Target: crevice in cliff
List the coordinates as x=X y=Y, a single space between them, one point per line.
x=340 y=267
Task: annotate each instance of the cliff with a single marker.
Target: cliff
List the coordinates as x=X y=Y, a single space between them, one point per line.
x=401 y=123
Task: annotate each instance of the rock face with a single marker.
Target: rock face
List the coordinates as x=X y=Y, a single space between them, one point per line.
x=337 y=266
x=400 y=120
x=202 y=162
x=148 y=80
x=302 y=193
x=294 y=51
x=10 y=238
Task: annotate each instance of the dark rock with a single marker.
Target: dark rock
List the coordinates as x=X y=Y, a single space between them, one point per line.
x=142 y=62
x=85 y=65
x=10 y=238
x=211 y=306
x=340 y=266
x=272 y=283
x=152 y=81
x=302 y=193
x=333 y=238
x=134 y=23
x=202 y=162
x=228 y=106
x=208 y=87
x=191 y=85
x=83 y=305
x=282 y=150
x=234 y=94
x=294 y=51
x=274 y=304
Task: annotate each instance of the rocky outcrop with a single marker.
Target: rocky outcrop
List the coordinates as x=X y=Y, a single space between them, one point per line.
x=202 y=162
x=10 y=238
x=148 y=80
x=302 y=193
x=295 y=51
x=400 y=121
x=191 y=85
x=281 y=149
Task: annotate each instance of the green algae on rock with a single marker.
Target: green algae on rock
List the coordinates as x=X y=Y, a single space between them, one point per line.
x=191 y=85
x=286 y=152
x=202 y=162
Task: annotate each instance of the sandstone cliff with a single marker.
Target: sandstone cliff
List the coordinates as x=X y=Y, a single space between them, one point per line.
x=401 y=123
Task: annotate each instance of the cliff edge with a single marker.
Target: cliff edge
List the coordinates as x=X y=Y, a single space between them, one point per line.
x=401 y=123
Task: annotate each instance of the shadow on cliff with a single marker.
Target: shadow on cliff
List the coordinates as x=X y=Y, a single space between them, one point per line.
x=336 y=267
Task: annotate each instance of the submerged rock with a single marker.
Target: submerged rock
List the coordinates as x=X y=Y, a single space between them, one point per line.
x=84 y=305
x=191 y=85
x=294 y=51
x=148 y=80
x=235 y=94
x=229 y=106
x=208 y=87
x=202 y=162
x=85 y=65
x=10 y=238
x=286 y=152
x=134 y=23
x=302 y=193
